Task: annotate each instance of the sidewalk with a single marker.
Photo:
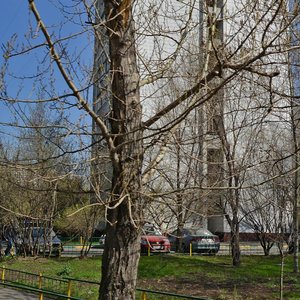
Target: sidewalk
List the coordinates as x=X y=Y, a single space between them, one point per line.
x=12 y=294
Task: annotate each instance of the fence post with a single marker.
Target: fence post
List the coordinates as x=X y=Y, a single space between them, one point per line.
x=3 y=274
x=144 y=296
x=191 y=248
x=69 y=289
x=40 y=286
x=148 y=250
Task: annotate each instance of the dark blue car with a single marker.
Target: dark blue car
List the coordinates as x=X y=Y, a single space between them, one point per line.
x=197 y=240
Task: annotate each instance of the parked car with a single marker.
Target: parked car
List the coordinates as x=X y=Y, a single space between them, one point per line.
x=153 y=240
x=49 y=240
x=201 y=240
x=40 y=240
x=102 y=241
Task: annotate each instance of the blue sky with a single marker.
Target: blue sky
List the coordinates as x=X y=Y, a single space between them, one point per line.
x=12 y=17
x=16 y=20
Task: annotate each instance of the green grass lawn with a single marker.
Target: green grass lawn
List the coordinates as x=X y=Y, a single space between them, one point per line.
x=258 y=277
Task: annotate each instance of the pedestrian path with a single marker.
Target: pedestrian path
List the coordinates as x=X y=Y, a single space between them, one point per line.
x=14 y=294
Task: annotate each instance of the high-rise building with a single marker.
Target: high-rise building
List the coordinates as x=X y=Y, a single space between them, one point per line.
x=295 y=91
x=101 y=167
x=168 y=31
x=214 y=119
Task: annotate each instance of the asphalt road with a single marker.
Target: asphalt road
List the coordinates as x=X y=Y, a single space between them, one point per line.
x=247 y=248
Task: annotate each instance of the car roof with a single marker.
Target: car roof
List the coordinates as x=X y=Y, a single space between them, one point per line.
x=197 y=231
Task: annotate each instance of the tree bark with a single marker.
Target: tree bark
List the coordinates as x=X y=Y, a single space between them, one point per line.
x=234 y=196
x=234 y=238
x=235 y=241
x=122 y=245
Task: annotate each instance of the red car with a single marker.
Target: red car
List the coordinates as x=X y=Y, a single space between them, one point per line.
x=152 y=240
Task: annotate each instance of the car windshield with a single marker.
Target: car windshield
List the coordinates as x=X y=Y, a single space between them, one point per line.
x=151 y=230
x=200 y=232
x=39 y=232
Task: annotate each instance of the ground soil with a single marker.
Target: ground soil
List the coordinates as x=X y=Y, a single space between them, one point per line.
x=202 y=287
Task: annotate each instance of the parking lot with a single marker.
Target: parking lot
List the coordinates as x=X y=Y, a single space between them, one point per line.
x=247 y=248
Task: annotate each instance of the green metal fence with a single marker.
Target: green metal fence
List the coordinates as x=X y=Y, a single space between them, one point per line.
x=70 y=288
x=52 y=287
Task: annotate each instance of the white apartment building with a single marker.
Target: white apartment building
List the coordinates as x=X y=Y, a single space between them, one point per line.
x=176 y=43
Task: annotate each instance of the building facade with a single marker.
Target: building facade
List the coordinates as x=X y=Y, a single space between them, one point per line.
x=174 y=41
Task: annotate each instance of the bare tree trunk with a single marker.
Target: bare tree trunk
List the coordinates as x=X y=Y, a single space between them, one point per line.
x=234 y=197
x=52 y=212
x=234 y=238
x=296 y=224
x=120 y=260
x=295 y=132
x=235 y=241
x=122 y=246
x=280 y=247
x=179 y=200
x=265 y=242
x=179 y=246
